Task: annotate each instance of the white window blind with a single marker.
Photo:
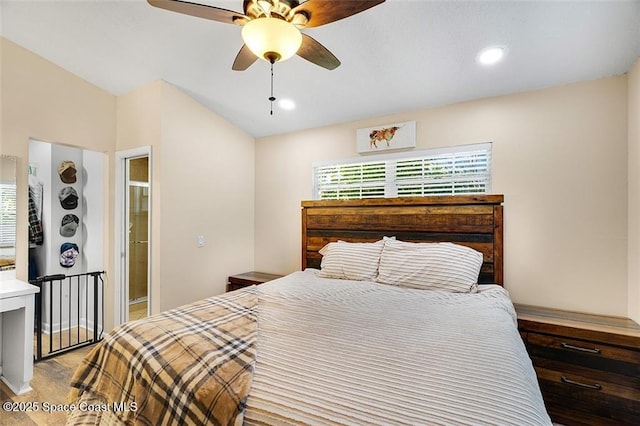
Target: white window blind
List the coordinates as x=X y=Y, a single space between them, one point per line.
x=445 y=171
x=7 y=214
x=357 y=180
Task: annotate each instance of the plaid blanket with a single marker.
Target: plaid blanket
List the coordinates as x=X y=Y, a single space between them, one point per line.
x=190 y=365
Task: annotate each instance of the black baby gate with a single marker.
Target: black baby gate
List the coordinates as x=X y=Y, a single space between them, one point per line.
x=69 y=312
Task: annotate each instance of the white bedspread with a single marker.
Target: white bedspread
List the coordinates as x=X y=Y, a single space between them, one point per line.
x=348 y=352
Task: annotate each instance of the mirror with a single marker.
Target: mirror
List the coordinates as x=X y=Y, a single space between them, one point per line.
x=7 y=212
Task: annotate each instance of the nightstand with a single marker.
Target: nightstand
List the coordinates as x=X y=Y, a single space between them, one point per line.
x=249 y=278
x=588 y=366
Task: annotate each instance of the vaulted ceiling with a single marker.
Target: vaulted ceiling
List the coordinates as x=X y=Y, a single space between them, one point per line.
x=398 y=56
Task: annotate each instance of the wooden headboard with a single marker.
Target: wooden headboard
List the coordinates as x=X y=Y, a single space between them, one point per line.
x=474 y=221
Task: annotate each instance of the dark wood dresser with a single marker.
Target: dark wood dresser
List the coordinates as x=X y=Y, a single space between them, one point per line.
x=246 y=279
x=588 y=366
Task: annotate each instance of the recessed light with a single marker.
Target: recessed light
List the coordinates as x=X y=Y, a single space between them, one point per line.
x=287 y=104
x=491 y=55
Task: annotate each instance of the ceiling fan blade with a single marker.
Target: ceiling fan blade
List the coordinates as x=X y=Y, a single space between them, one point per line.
x=321 y=12
x=199 y=10
x=244 y=59
x=313 y=51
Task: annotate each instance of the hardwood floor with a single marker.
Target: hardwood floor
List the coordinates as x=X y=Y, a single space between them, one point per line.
x=138 y=310
x=70 y=337
x=50 y=385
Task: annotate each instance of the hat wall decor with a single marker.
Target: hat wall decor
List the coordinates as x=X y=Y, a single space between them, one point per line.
x=68 y=254
x=68 y=198
x=69 y=225
x=67 y=171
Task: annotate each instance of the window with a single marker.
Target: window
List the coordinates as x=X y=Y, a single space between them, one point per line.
x=7 y=214
x=447 y=171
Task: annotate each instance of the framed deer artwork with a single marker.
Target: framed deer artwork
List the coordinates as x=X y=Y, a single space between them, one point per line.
x=386 y=137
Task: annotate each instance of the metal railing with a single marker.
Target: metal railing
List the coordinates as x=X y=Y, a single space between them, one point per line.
x=69 y=312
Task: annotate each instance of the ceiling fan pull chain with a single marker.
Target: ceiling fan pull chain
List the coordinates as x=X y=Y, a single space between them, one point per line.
x=272 y=98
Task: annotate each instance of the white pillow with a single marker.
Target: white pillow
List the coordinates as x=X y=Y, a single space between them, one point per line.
x=433 y=266
x=351 y=261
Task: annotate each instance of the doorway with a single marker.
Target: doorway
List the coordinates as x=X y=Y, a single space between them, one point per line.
x=138 y=223
x=133 y=199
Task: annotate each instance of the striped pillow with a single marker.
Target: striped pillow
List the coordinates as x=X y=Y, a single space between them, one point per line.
x=432 y=266
x=351 y=261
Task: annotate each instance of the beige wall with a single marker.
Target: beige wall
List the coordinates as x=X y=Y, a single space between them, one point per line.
x=43 y=101
x=207 y=189
x=634 y=191
x=202 y=184
x=139 y=124
x=559 y=157
x=203 y=170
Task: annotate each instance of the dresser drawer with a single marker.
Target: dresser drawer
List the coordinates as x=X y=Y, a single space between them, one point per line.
x=589 y=354
x=588 y=366
x=572 y=380
x=570 y=395
x=588 y=375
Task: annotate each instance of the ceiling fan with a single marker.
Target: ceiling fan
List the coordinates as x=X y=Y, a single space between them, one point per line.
x=271 y=28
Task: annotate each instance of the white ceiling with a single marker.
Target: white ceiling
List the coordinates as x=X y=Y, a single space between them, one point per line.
x=398 y=56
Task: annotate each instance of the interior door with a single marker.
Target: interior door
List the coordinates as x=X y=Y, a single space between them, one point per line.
x=138 y=236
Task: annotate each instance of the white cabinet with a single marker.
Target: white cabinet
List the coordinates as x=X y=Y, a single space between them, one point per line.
x=16 y=334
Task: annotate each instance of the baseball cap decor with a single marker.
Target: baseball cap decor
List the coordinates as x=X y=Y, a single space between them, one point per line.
x=68 y=254
x=69 y=225
x=68 y=198
x=67 y=171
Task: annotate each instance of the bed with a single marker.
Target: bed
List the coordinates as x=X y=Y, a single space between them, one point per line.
x=348 y=339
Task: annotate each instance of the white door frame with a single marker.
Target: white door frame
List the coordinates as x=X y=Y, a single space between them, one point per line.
x=121 y=314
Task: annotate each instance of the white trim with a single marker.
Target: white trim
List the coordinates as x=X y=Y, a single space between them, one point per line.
x=121 y=314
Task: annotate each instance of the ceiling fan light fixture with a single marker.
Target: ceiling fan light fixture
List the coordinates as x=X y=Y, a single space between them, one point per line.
x=271 y=39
